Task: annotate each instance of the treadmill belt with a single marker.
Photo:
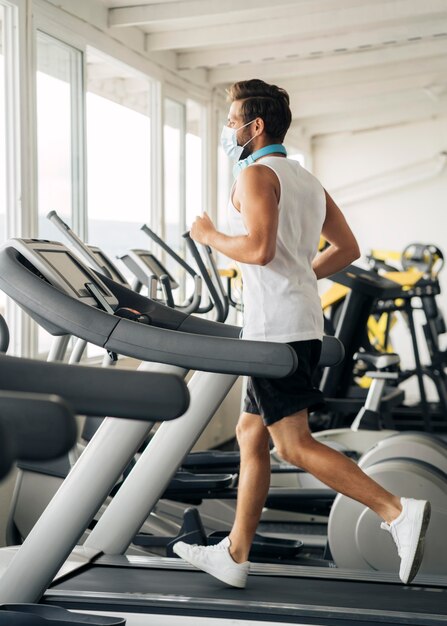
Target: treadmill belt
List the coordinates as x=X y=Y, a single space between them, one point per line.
x=273 y=595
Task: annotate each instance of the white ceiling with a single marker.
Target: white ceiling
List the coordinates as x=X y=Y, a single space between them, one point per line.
x=347 y=64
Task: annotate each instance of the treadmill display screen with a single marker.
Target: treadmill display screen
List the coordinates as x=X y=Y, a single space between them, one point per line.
x=102 y=260
x=71 y=272
x=155 y=266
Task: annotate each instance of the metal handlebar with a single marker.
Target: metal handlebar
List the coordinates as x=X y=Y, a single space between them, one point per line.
x=77 y=242
x=145 y=228
x=222 y=310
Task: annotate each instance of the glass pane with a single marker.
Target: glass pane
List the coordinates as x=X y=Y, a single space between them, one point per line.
x=118 y=156
x=194 y=198
x=118 y=159
x=225 y=181
x=3 y=197
x=174 y=220
x=58 y=68
x=56 y=81
x=193 y=177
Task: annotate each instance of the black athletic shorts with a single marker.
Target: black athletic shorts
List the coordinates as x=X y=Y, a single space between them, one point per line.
x=275 y=398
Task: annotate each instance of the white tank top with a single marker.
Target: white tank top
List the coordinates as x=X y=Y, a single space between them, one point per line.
x=281 y=301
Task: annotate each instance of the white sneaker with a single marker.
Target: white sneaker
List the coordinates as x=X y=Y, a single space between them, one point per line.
x=408 y=531
x=215 y=560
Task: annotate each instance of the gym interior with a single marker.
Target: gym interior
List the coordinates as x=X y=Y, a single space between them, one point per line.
x=111 y=113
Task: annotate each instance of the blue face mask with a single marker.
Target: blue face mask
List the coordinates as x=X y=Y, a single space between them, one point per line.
x=272 y=149
x=228 y=141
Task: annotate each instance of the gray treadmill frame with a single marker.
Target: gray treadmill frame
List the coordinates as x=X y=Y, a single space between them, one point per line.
x=73 y=506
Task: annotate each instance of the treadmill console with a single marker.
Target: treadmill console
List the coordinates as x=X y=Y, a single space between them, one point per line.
x=147 y=264
x=56 y=264
x=110 y=270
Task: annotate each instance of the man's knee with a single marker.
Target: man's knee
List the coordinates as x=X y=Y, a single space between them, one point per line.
x=294 y=450
x=251 y=432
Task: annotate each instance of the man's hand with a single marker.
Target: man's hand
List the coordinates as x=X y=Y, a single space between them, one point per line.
x=202 y=229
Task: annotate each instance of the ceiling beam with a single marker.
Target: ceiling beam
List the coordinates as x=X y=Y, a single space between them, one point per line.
x=322 y=101
x=368 y=96
x=276 y=71
x=368 y=120
x=158 y=17
x=434 y=67
x=399 y=33
x=357 y=17
x=147 y=15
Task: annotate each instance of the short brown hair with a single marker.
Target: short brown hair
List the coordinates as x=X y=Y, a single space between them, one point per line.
x=269 y=102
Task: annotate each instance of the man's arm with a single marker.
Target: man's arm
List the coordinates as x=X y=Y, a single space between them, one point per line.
x=343 y=249
x=257 y=195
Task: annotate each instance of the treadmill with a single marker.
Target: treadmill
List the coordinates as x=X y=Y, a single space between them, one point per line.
x=186 y=486
x=50 y=283
x=41 y=427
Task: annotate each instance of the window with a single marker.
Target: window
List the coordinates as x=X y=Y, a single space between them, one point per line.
x=3 y=147
x=59 y=123
x=183 y=176
x=59 y=144
x=3 y=196
x=225 y=181
x=194 y=169
x=174 y=179
x=10 y=184
x=118 y=156
x=193 y=173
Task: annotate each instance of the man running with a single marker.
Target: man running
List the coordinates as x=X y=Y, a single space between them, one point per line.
x=277 y=212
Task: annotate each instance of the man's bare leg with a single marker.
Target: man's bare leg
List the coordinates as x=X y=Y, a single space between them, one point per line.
x=254 y=481
x=295 y=444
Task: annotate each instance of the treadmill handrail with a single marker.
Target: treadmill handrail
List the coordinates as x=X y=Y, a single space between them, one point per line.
x=222 y=311
x=193 y=302
x=150 y=233
x=216 y=278
x=63 y=314
x=77 y=242
x=195 y=299
x=34 y=426
x=99 y=391
x=83 y=248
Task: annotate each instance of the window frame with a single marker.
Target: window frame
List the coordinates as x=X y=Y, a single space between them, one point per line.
x=172 y=95
x=78 y=179
x=74 y=30
x=208 y=164
x=18 y=150
x=77 y=130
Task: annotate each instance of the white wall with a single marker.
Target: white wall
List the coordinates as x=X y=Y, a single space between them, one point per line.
x=414 y=212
